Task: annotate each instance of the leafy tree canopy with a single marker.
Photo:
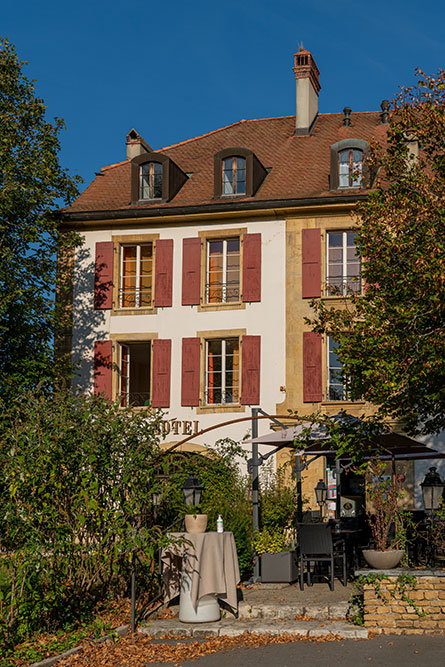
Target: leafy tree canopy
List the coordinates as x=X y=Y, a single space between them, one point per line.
x=391 y=338
x=32 y=184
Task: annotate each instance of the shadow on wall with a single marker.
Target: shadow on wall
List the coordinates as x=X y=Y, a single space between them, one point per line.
x=88 y=319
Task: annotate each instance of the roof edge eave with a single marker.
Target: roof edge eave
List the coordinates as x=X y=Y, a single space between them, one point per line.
x=221 y=207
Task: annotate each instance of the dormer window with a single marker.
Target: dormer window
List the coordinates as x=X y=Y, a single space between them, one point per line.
x=151 y=180
x=347 y=164
x=350 y=168
x=237 y=172
x=234 y=176
x=154 y=178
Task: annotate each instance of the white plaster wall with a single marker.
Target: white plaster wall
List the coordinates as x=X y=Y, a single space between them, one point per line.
x=266 y=319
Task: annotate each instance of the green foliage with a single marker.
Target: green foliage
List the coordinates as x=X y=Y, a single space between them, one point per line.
x=32 y=184
x=76 y=482
x=391 y=337
x=278 y=498
x=226 y=492
x=271 y=541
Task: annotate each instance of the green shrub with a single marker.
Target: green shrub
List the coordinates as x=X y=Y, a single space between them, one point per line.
x=77 y=476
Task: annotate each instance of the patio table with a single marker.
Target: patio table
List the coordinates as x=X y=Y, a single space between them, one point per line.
x=200 y=565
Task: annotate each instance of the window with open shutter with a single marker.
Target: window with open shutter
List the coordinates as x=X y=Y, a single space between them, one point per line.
x=250 y=370
x=160 y=395
x=103 y=368
x=252 y=267
x=312 y=368
x=311 y=263
x=191 y=353
x=103 y=275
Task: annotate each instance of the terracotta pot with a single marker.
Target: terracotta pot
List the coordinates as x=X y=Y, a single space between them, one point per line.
x=383 y=560
x=195 y=523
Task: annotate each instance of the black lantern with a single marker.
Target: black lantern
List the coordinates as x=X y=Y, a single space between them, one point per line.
x=432 y=488
x=321 y=492
x=191 y=491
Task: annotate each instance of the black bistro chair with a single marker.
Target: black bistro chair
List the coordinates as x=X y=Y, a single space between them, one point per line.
x=315 y=545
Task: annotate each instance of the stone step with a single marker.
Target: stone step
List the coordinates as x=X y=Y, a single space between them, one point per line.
x=337 y=610
x=287 y=611
x=230 y=627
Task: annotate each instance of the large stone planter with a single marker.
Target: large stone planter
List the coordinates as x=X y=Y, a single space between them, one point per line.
x=195 y=523
x=383 y=560
x=279 y=568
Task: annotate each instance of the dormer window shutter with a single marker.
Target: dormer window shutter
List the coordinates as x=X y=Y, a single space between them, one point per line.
x=163 y=272
x=191 y=271
x=252 y=267
x=311 y=263
x=103 y=275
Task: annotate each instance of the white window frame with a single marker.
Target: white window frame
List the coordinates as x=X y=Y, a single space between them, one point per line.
x=343 y=288
x=344 y=397
x=137 y=299
x=126 y=379
x=151 y=178
x=223 y=370
x=234 y=181
x=224 y=270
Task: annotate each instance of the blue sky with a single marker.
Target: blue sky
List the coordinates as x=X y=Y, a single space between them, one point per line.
x=174 y=70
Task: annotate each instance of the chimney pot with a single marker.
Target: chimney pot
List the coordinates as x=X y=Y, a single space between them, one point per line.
x=307 y=78
x=385 y=112
x=347 y=118
x=136 y=145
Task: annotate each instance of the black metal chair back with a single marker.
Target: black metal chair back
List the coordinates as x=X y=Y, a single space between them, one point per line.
x=315 y=539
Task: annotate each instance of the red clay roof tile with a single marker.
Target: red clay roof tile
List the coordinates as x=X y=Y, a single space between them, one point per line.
x=298 y=166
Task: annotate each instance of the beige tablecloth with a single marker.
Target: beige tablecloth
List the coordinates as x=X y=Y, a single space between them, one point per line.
x=211 y=561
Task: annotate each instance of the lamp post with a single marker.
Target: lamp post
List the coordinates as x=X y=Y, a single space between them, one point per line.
x=192 y=491
x=321 y=491
x=432 y=489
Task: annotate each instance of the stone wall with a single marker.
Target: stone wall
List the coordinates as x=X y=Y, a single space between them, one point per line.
x=386 y=609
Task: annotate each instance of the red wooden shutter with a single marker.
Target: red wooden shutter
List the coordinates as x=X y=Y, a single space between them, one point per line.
x=103 y=368
x=191 y=271
x=311 y=267
x=103 y=275
x=252 y=267
x=312 y=376
x=163 y=272
x=160 y=393
x=250 y=381
x=191 y=354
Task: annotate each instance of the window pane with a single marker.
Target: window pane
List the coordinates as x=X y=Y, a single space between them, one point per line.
x=335 y=239
x=356 y=169
x=233 y=245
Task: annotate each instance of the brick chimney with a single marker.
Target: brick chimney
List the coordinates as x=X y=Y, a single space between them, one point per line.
x=308 y=87
x=136 y=145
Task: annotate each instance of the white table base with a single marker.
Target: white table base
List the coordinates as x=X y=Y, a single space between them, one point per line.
x=207 y=609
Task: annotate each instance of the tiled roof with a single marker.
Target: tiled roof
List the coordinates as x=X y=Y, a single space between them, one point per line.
x=298 y=166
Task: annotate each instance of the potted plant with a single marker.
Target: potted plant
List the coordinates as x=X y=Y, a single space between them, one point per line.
x=278 y=556
x=382 y=516
x=195 y=522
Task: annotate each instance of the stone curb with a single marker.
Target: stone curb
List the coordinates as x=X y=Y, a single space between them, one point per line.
x=48 y=662
x=233 y=628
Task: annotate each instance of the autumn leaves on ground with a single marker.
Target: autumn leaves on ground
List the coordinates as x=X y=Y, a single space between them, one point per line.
x=142 y=650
